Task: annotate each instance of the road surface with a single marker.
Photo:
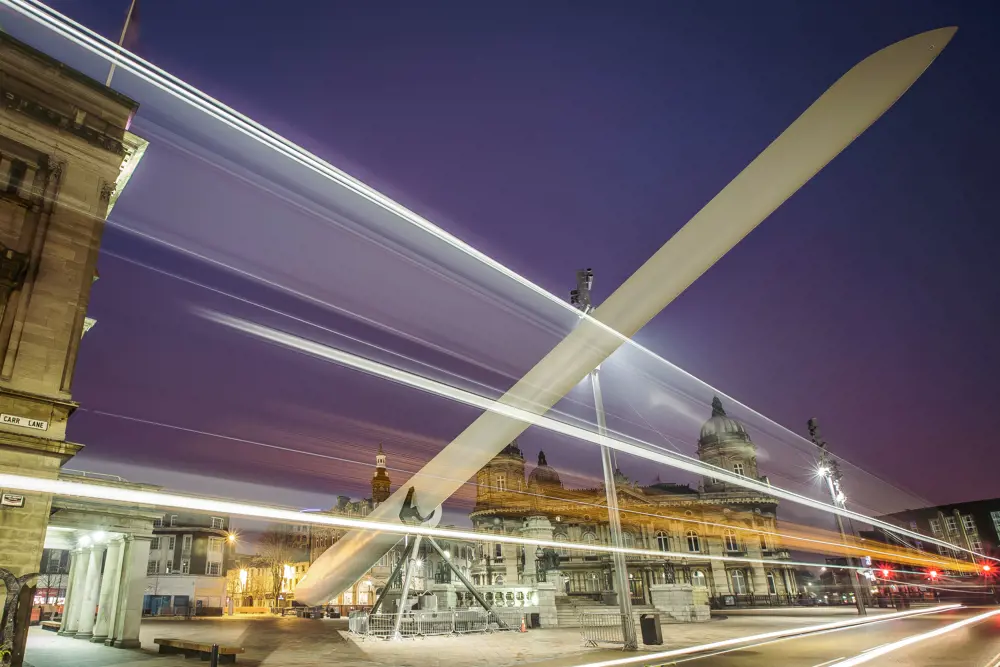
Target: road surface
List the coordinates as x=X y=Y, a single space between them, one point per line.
x=974 y=645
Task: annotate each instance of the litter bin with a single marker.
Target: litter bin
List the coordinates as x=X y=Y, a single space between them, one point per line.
x=652 y=635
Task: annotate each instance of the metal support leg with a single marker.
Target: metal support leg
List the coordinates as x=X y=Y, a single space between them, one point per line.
x=468 y=584
x=392 y=578
x=407 y=578
x=614 y=523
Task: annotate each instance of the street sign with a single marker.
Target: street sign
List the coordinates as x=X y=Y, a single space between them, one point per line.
x=24 y=422
x=11 y=500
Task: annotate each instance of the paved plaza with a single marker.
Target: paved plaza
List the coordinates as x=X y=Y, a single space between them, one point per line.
x=294 y=642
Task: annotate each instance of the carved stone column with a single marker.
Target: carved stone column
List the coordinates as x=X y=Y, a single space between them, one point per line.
x=109 y=584
x=91 y=591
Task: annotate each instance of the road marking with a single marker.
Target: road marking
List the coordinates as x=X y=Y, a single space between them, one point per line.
x=994 y=661
x=913 y=639
x=778 y=634
x=875 y=648
x=823 y=664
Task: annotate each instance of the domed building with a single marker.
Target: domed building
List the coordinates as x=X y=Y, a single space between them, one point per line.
x=685 y=524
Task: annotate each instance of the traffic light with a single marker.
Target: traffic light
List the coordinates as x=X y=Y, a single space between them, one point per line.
x=933 y=574
x=886 y=572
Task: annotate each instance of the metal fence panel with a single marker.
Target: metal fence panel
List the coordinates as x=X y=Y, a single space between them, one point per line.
x=599 y=627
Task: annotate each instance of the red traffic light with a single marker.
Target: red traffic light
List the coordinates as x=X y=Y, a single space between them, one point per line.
x=987 y=568
x=933 y=574
x=885 y=572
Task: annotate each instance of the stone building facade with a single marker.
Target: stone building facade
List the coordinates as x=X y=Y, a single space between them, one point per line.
x=682 y=522
x=65 y=153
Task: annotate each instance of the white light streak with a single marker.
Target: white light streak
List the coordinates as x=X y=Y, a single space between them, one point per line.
x=166 y=82
x=220 y=506
x=871 y=654
x=454 y=393
x=811 y=629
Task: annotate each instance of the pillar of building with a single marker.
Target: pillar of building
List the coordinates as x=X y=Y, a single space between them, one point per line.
x=536 y=528
x=720 y=578
x=79 y=559
x=757 y=573
x=109 y=585
x=91 y=590
x=135 y=560
x=548 y=616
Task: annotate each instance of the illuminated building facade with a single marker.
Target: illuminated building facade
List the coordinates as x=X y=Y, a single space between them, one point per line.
x=718 y=518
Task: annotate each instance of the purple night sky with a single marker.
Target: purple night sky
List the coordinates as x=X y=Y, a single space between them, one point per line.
x=558 y=135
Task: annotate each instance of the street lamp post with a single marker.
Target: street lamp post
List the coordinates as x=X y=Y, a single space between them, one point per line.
x=580 y=298
x=830 y=471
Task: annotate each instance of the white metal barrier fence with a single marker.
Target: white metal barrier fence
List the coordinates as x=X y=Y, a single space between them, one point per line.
x=430 y=623
x=602 y=628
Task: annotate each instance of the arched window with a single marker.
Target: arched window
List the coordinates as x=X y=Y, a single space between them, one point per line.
x=738 y=469
x=589 y=538
x=497 y=553
x=731 y=540
x=628 y=540
x=560 y=537
x=501 y=482
x=662 y=541
x=694 y=543
x=772 y=589
x=739 y=582
x=499 y=580
x=698 y=579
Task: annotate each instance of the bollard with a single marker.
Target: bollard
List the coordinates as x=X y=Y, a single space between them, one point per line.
x=215 y=656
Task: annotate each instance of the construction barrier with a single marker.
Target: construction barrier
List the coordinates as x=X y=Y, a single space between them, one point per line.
x=430 y=623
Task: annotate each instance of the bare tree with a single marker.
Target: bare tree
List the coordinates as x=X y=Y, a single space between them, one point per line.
x=276 y=550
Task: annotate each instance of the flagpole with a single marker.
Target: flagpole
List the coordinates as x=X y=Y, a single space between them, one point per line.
x=121 y=41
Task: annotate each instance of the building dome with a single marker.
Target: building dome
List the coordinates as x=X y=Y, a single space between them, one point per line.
x=544 y=474
x=721 y=428
x=511 y=451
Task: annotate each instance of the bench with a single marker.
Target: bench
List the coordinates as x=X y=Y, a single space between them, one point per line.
x=227 y=654
x=51 y=626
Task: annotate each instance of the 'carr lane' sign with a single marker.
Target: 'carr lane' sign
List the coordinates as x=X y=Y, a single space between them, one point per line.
x=25 y=422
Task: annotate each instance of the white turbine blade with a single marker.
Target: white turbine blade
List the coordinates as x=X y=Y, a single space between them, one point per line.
x=840 y=115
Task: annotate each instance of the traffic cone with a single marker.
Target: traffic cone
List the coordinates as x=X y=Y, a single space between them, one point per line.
x=523 y=629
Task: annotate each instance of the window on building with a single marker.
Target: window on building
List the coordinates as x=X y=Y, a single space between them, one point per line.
x=589 y=538
x=951 y=523
x=935 y=526
x=157 y=523
x=662 y=541
x=153 y=567
x=213 y=568
x=731 y=540
x=154 y=544
x=215 y=544
x=218 y=522
x=166 y=567
x=501 y=482
x=171 y=542
x=739 y=582
x=996 y=521
x=969 y=522
x=698 y=578
x=738 y=469
x=763 y=542
x=628 y=540
x=497 y=553
x=185 y=567
x=694 y=542
x=173 y=519
x=499 y=580
x=977 y=546
x=186 y=544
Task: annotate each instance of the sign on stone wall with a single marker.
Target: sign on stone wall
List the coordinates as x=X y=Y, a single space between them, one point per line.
x=25 y=422
x=12 y=500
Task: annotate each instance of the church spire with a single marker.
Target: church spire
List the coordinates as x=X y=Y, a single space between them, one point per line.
x=381 y=484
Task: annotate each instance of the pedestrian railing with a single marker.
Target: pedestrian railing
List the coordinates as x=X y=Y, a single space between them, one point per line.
x=602 y=628
x=431 y=623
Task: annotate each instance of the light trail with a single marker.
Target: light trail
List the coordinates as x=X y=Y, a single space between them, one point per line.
x=104 y=492
x=878 y=652
x=777 y=634
x=166 y=82
x=837 y=547
x=646 y=450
